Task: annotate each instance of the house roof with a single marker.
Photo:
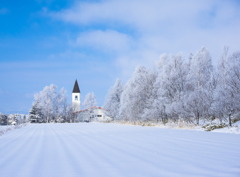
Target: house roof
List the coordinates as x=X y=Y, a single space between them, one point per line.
x=76 y=88
x=94 y=107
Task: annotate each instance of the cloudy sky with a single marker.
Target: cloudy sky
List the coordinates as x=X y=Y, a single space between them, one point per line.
x=57 y=41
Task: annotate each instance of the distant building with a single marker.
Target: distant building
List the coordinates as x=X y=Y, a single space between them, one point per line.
x=93 y=114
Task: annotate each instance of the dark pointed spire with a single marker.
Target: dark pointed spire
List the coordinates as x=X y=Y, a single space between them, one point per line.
x=76 y=88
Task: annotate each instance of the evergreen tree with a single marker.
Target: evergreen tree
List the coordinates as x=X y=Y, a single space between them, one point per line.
x=35 y=113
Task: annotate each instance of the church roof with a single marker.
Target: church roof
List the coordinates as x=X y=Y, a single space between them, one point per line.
x=76 y=88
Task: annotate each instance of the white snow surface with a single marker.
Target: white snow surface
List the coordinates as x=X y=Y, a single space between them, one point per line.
x=234 y=129
x=112 y=150
x=6 y=128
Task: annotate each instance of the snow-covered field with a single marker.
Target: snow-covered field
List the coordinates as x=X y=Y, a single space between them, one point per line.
x=234 y=129
x=111 y=150
x=6 y=128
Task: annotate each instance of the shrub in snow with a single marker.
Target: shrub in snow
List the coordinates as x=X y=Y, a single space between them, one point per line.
x=210 y=127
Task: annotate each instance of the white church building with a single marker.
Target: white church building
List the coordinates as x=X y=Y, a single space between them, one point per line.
x=94 y=113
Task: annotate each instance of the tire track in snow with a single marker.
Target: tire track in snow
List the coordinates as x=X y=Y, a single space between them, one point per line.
x=194 y=162
x=11 y=136
x=83 y=156
x=110 y=150
x=180 y=159
x=17 y=151
x=133 y=155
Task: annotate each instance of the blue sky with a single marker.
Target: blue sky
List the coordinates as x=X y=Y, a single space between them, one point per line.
x=57 y=41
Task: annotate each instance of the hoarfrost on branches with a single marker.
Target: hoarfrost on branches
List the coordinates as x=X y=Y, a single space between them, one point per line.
x=90 y=100
x=113 y=98
x=50 y=106
x=190 y=90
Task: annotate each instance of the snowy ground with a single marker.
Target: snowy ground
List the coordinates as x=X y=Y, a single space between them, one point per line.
x=111 y=150
x=6 y=128
x=235 y=129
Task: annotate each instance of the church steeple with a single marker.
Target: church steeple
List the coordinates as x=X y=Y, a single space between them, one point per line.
x=76 y=88
x=76 y=97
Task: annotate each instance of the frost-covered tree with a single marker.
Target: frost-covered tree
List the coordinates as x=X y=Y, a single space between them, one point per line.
x=47 y=97
x=148 y=113
x=59 y=103
x=173 y=85
x=156 y=109
x=182 y=90
x=112 y=103
x=169 y=88
x=135 y=95
x=66 y=109
x=199 y=81
x=53 y=105
x=228 y=88
x=90 y=100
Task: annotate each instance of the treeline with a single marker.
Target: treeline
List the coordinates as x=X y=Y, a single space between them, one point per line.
x=189 y=90
x=51 y=106
x=12 y=119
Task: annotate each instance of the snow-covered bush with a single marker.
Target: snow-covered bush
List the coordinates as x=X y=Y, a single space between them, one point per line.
x=210 y=127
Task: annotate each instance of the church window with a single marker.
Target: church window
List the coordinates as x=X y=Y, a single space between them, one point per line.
x=76 y=98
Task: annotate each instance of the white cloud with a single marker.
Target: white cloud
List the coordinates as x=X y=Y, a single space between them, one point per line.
x=149 y=15
x=156 y=27
x=107 y=41
x=4 y=11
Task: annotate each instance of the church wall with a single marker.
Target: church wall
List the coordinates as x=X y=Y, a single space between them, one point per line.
x=76 y=103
